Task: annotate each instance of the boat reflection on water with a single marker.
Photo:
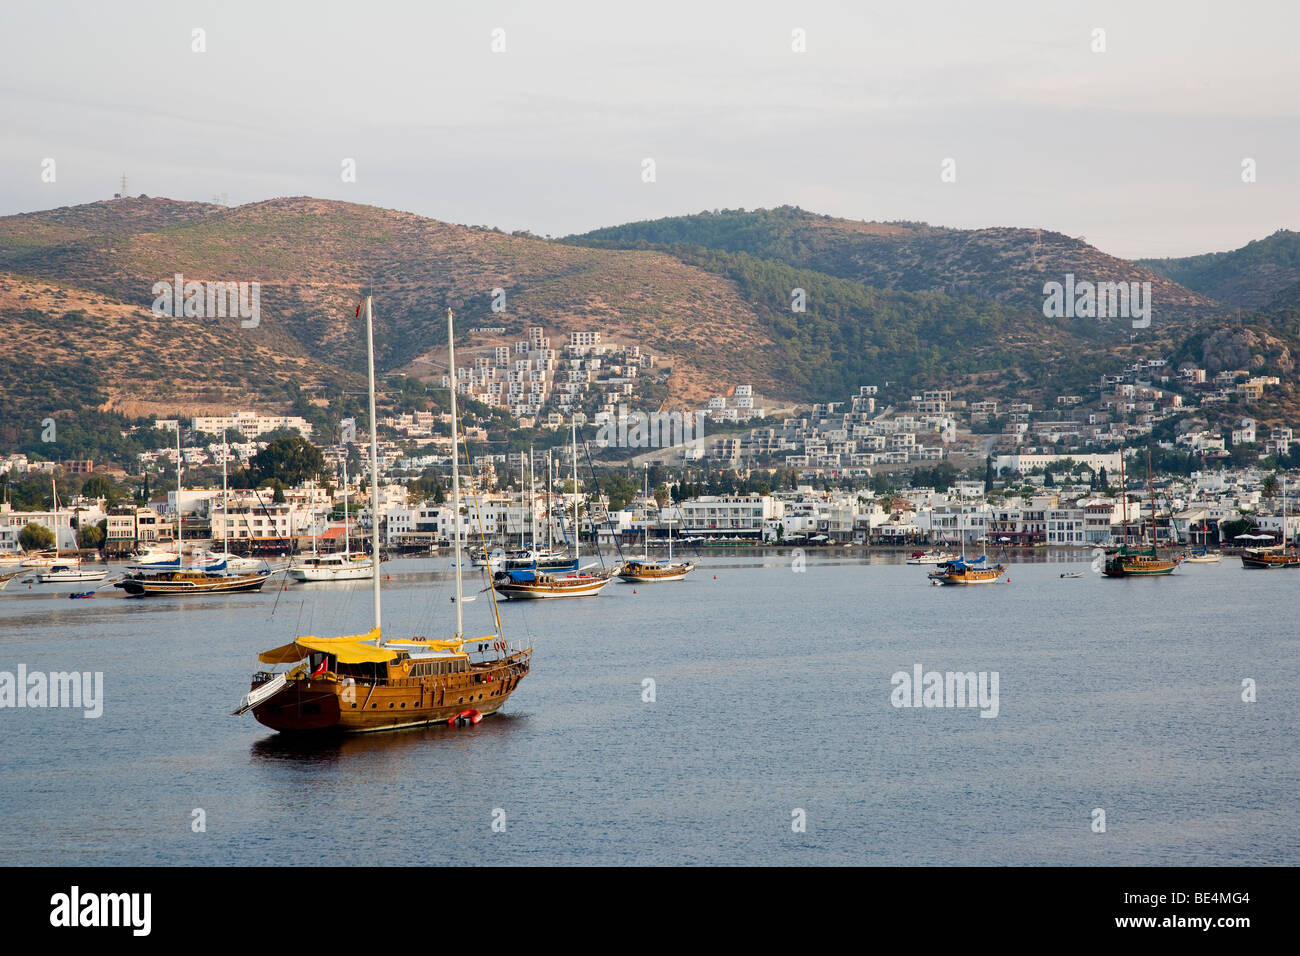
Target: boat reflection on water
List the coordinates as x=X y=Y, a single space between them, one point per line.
x=329 y=748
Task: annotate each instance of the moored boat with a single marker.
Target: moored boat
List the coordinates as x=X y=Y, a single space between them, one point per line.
x=1126 y=562
x=961 y=572
x=532 y=583
x=71 y=572
x=1268 y=558
x=191 y=581
x=647 y=570
x=931 y=557
x=332 y=567
x=364 y=683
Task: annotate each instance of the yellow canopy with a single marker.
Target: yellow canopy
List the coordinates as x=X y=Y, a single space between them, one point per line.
x=352 y=649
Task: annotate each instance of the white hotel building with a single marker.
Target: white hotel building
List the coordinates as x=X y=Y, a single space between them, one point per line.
x=250 y=424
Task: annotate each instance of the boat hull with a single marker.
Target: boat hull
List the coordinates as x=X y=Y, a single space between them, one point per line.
x=1262 y=562
x=635 y=573
x=331 y=574
x=139 y=587
x=53 y=577
x=989 y=576
x=542 y=590
x=322 y=706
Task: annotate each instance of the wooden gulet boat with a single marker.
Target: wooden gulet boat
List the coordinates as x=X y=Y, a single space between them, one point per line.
x=958 y=572
x=362 y=683
x=1126 y=563
x=535 y=585
x=963 y=573
x=1277 y=556
x=180 y=580
x=645 y=570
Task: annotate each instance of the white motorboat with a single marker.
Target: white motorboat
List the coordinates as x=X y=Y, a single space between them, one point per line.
x=71 y=572
x=931 y=557
x=332 y=567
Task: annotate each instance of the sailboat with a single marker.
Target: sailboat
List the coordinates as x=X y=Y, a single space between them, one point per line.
x=206 y=578
x=70 y=571
x=224 y=560
x=1273 y=556
x=646 y=569
x=366 y=682
x=335 y=567
x=533 y=583
x=961 y=572
x=1124 y=562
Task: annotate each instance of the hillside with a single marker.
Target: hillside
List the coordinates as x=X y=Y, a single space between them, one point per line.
x=711 y=296
x=85 y=352
x=1249 y=278
x=315 y=258
x=1004 y=265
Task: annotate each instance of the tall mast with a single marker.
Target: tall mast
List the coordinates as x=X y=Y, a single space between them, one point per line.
x=1151 y=486
x=455 y=473
x=225 y=508
x=179 y=532
x=670 y=530
x=374 y=459
x=521 y=501
x=577 y=540
x=532 y=501
x=347 y=553
x=645 y=510
x=1123 y=490
x=549 y=485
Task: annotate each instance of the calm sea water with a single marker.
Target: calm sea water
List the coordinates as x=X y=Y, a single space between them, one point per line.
x=772 y=694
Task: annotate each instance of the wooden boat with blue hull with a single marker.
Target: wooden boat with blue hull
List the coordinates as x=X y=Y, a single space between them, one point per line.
x=191 y=582
x=537 y=585
x=962 y=572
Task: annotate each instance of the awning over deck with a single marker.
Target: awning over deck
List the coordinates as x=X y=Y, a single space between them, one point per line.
x=352 y=649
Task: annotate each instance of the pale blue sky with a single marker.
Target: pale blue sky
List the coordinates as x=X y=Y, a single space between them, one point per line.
x=1138 y=149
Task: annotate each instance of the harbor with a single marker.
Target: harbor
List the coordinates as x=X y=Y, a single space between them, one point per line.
x=785 y=704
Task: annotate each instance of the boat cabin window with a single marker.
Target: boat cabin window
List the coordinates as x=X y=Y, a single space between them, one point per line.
x=432 y=668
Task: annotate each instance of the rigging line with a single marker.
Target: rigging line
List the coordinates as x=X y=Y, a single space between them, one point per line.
x=478 y=514
x=608 y=520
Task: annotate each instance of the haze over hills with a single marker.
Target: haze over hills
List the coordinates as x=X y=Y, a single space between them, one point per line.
x=711 y=295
